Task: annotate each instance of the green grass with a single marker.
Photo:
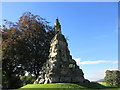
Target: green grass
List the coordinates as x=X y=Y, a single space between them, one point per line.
x=103 y=83
x=92 y=85
x=64 y=86
x=53 y=85
x=108 y=87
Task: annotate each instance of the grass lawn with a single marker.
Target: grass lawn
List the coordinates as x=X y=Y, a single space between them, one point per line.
x=109 y=88
x=102 y=83
x=64 y=86
x=53 y=85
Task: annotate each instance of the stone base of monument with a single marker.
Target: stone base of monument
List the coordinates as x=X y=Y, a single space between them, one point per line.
x=59 y=71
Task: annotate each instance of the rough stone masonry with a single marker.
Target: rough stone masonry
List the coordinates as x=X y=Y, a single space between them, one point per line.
x=60 y=67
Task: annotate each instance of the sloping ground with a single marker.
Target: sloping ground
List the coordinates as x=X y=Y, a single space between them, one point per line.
x=110 y=87
x=93 y=85
x=102 y=83
x=53 y=85
x=65 y=86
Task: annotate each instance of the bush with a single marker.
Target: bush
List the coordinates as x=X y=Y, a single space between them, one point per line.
x=14 y=82
x=27 y=79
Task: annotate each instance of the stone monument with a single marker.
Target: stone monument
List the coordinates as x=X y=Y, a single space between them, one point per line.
x=60 y=67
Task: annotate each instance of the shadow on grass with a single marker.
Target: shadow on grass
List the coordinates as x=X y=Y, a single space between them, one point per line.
x=95 y=85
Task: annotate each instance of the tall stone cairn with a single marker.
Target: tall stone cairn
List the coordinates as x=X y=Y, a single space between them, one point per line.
x=60 y=67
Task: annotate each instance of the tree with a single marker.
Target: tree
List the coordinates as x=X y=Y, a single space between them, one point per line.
x=25 y=46
x=112 y=78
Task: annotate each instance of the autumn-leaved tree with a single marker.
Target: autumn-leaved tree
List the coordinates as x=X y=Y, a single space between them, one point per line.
x=25 y=47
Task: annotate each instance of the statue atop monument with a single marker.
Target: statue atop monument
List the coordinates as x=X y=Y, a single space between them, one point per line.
x=57 y=27
x=60 y=67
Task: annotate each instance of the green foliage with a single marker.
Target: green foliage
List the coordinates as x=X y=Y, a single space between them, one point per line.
x=25 y=47
x=13 y=82
x=27 y=79
x=112 y=78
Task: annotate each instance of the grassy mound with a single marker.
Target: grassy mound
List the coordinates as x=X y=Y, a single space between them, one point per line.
x=64 y=86
x=53 y=85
